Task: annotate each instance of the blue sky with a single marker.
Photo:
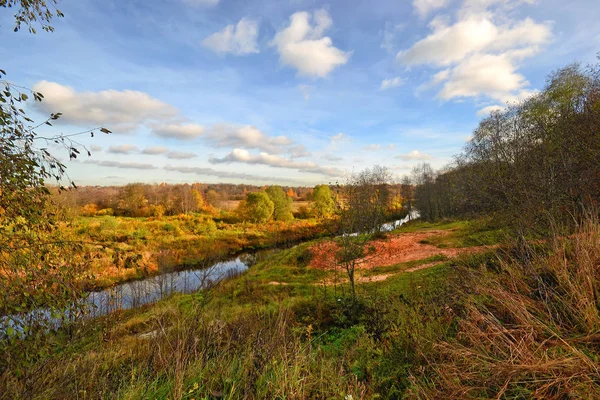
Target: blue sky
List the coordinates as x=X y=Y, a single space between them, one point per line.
x=295 y=92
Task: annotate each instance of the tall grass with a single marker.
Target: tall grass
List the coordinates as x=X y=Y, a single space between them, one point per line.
x=530 y=329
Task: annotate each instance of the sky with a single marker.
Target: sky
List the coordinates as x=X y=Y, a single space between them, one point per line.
x=291 y=92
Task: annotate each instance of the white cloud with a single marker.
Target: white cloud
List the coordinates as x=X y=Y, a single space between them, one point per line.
x=340 y=137
x=220 y=174
x=178 y=131
x=302 y=45
x=95 y=147
x=154 y=150
x=123 y=149
x=424 y=7
x=487 y=74
x=391 y=83
x=225 y=135
x=243 y=156
x=414 y=156
x=391 y=146
x=118 y=164
x=178 y=155
x=237 y=39
x=480 y=52
x=119 y=111
x=484 y=112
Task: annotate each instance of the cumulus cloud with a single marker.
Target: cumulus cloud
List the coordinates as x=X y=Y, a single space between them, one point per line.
x=123 y=149
x=120 y=111
x=237 y=39
x=372 y=147
x=249 y=137
x=211 y=172
x=178 y=131
x=95 y=147
x=118 y=164
x=243 y=156
x=340 y=137
x=424 y=7
x=391 y=83
x=414 y=155
x=480 y=53
x=178 y=155
x=301 y=45
x=155 y=150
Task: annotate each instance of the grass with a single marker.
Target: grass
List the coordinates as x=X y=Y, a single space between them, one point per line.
x=245 y=338
x=509 y=323
x=458 y=234
x=123 y=248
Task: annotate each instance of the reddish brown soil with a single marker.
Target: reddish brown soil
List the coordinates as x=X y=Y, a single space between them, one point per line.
x=390 y=251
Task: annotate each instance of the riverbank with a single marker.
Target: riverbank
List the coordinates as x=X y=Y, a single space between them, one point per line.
x=126 y=249
x=279 y=330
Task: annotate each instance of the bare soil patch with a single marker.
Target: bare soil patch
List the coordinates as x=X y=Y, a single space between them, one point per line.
x=393 y=250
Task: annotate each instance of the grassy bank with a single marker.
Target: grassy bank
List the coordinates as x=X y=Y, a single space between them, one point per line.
x=123 y=249
x=510 y=322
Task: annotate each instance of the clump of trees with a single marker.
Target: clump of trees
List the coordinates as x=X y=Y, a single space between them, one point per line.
x=535 y=163
x=282 y=203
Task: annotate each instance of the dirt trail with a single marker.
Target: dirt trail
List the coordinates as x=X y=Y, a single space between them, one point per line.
x=393 y=250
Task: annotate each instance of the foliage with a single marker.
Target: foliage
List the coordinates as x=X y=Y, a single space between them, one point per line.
x=282 y=204
x=362 y=208
x=323 y=205
x=531 y=165
x=257 y=207
x=31 y=12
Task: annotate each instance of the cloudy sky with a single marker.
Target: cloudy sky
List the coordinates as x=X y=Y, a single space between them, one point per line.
x=295 y=92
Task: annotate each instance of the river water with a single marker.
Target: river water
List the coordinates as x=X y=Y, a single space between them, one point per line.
x=153 y=289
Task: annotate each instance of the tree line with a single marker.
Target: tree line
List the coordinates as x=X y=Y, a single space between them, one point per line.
x=532 y=165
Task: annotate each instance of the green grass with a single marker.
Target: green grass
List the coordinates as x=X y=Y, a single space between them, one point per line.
x=248 y=338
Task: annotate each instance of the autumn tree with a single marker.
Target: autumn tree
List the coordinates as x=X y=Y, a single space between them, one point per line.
x=282 y=204
x=132 y=199
x=257 y=207
x=40 y=270
x=362 y=208
x=213 y=198
x=323 y=205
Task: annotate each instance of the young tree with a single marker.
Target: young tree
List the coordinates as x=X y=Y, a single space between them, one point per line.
x=282 y=204
x=362 y=208
x=323 y=205
x=40 y=269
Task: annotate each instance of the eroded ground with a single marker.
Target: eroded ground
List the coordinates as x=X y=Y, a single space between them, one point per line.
x=397 y=249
